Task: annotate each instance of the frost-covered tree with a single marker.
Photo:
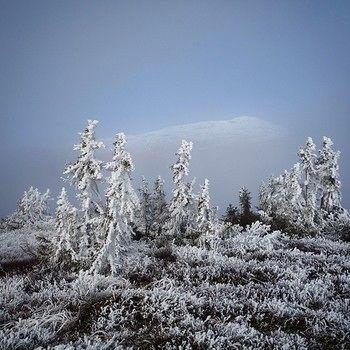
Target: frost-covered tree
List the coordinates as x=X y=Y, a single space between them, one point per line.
x=145 y=211
x=85 y=175
x=204 y=219
x=307 y=158
x=328 y=176
x=231 y=215
x=215 y=218
x=308 y=196
x=281 y=198
x=66 y=245
x=208 y=225
x=245 y=201
x=122 y=202
x=159 y=206
x=293 y=200
x=246 y=215
x=32 y=209
x=182 y=201
x=192 y=207
x=267 y=194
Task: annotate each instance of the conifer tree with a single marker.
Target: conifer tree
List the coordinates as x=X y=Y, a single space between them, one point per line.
x=245 y=201
x=267 y=194
x=307 y=158
x=32 y=209
x=66 y=227
x=159 y=206
x=328 y=174
x=122 y=202
x=247 y=217
x=231 y=215
x=180 y=206
x=215 y=217
x=85 y=175
x=204 y=219
x=281 y=198
x=265 y=202
x=293 y=194
x=308 y=197
x=145 y=212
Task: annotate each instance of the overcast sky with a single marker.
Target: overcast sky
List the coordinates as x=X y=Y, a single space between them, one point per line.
x=143 y=65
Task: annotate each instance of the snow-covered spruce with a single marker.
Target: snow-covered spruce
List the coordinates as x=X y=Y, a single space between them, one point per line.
x=182 y=204
x=160 y=212
x=307 y=198
x=204 y=215
x=307 y=159
x=245 y=201
x=328 y=175
x=122 y=202
x=281 y=197
x=67 y=241
x=32 y=210
x=85 y=174
x=144 y=215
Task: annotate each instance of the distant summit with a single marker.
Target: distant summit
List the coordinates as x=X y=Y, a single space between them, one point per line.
x=247 y=128
x=230 y=153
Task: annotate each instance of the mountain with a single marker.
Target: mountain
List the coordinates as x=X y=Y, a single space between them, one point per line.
x=230 y=153
x=225 y=130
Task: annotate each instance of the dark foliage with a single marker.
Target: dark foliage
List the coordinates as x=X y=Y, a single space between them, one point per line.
x=243 y=215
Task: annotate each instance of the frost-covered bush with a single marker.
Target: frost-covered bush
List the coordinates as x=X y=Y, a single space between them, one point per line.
x=160 y=210
x=307 y=198
x=67 y=243
x=256 y=289
x=32 y=211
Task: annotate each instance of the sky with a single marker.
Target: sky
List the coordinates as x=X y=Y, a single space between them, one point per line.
x=139 y=66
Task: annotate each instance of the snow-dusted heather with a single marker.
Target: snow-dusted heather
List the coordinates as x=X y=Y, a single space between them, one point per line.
x=31 y=212
x=22 y=244
x=259 y=289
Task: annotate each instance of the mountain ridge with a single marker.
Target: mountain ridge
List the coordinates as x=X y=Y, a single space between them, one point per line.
x=239 y=126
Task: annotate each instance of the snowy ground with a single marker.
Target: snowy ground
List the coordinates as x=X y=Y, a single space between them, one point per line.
x=256 y=290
